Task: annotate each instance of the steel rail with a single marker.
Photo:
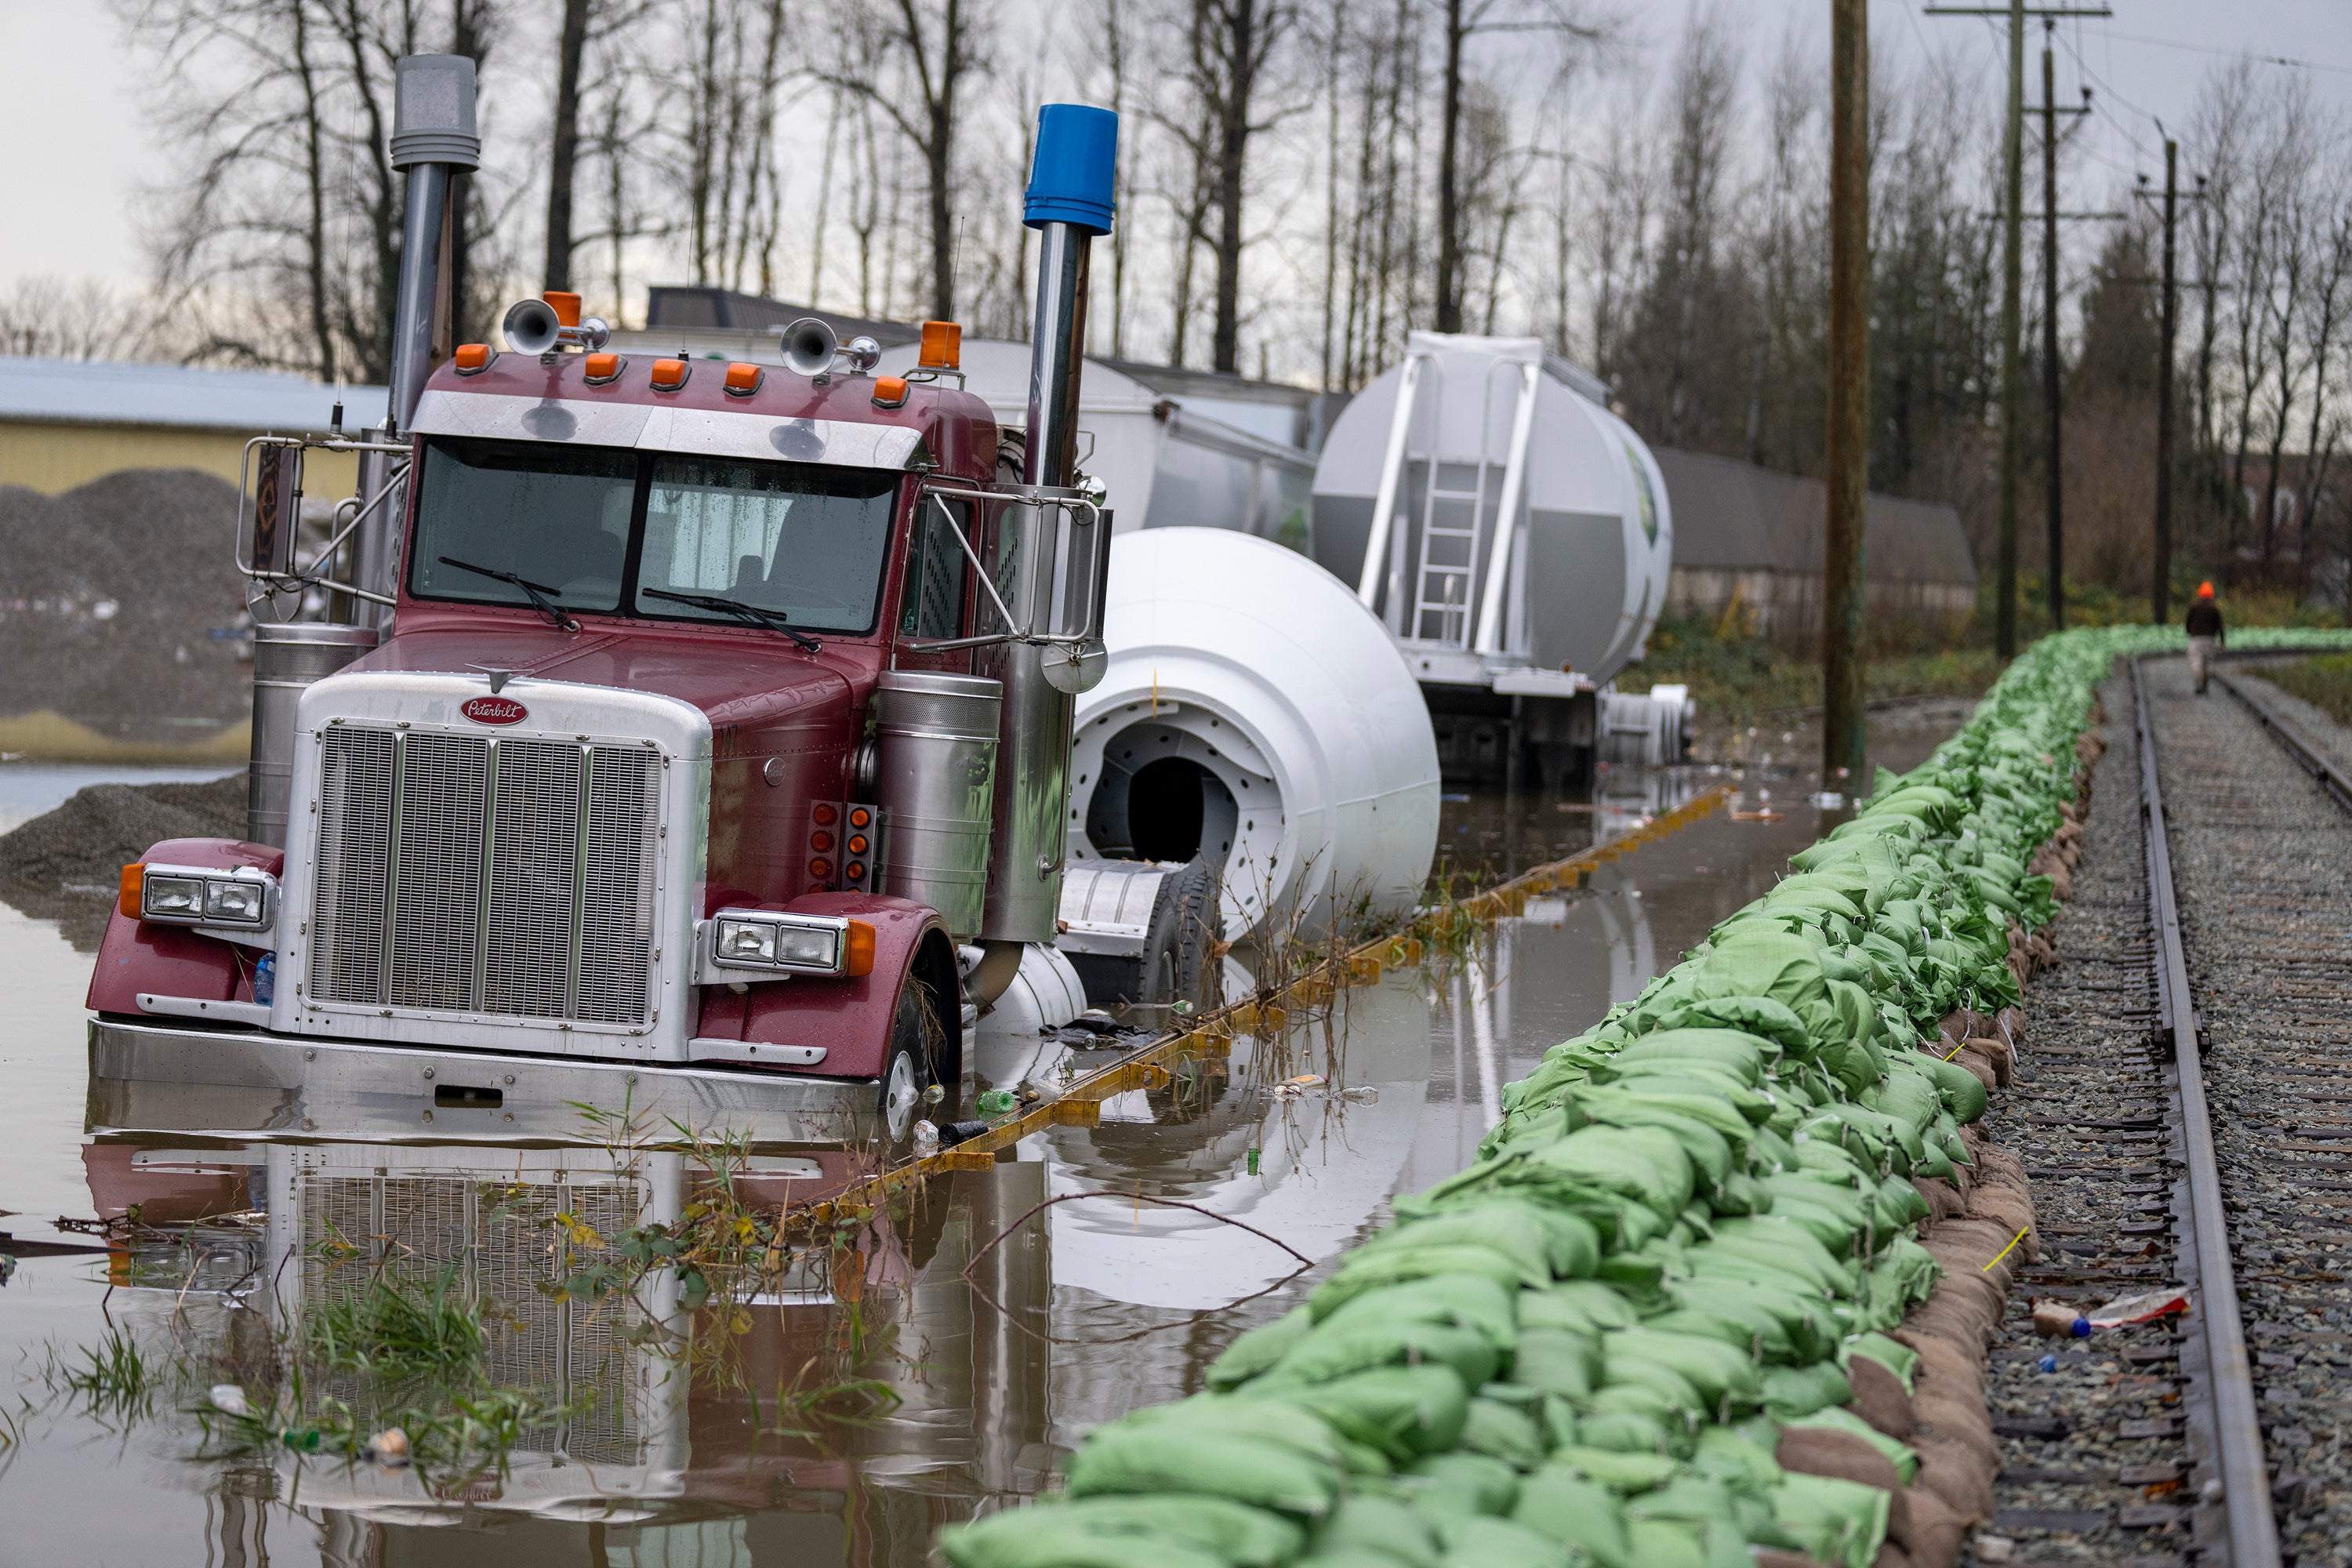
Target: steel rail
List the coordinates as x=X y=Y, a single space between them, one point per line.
x=2298 y=745
x=2237 y=1427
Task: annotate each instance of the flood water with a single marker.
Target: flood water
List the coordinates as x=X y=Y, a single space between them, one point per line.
x=971 y=1337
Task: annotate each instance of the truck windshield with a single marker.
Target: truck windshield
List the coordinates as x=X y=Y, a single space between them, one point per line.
x=601 y=530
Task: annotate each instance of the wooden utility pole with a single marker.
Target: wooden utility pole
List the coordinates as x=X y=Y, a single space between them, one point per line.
x=2013 y=287
x=1847 y=464
x=2159 y=588
x=2013 y=323
x=2055 y=577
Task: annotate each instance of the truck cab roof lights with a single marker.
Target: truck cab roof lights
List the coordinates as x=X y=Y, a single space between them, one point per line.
x=743 y=379
x=669 y=374
x=472 y=359
x=602 y=369
x=942 y=346
x=565 y=304
x=890 y=391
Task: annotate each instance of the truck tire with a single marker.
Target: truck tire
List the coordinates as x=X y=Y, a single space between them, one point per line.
x=908 y=1070
x=1180 y=956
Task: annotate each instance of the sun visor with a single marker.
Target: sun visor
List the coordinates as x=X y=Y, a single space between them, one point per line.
x=702 y=433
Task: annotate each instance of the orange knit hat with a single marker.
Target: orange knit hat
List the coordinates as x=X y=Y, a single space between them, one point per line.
x=2204 y=590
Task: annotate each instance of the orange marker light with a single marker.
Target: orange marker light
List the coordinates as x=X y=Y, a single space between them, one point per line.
x=943 y=345
x=889 y=391
x=471 y=357
x=861 y=950
x=824 y=815
x=821 y=841
x=565 y=306
x=821 y=868
x=134 y=890
x=743 y=380
x=601 y=368
x=669 y=374
x=859 y=816
x=855 y=871
x=857 y=846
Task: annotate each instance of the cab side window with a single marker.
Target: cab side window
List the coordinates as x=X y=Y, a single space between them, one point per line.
x=936 y=569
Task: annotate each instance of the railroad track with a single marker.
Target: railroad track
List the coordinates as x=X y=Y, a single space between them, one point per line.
x=2186 y=1120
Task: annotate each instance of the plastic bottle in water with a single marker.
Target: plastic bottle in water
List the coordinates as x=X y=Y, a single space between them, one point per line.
x=265 y=979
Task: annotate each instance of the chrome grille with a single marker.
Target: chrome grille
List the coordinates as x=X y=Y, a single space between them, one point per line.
x=461 y=873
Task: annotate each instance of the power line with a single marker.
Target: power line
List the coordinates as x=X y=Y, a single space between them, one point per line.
x=2230 y=54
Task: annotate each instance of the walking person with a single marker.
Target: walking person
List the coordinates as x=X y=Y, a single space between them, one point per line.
x=2203 y=623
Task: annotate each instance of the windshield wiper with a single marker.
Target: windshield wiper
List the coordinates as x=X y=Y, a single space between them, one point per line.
x=542 y=597
x=772 y=619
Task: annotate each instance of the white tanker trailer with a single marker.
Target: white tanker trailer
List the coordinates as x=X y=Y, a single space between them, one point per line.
x=1515 y=537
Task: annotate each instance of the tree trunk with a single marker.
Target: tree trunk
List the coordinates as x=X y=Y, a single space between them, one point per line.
x=563 y=145
x=1449 y=218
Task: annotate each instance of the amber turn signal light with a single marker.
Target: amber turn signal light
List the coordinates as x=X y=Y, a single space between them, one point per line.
x=743 y=380
x=471 y=357
x=889 y=391
x=821 y=841
x=823 y=815
x=861 y=950
x=669 y=374
x=859 y=816
x=598 y=369
x=134 y=887
x=942 y=346
x=821 y=868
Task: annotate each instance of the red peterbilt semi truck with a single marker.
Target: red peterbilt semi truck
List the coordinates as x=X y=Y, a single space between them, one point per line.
x=697 y=738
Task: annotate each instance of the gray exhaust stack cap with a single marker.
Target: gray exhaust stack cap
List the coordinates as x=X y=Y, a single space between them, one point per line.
x=433 y=113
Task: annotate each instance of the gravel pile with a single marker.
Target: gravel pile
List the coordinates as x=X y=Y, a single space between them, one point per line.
x=64 y=866
x=111 y=597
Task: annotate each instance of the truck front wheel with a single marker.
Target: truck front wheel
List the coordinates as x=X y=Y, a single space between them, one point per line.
x=908 y=1071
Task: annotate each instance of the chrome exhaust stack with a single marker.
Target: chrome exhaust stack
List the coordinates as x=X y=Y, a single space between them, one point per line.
x=1051 y=547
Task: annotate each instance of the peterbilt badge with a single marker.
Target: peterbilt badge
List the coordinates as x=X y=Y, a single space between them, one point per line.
x=494 y=710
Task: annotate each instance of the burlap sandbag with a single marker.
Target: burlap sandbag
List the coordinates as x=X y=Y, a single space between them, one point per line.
x=1944 y=1200
x=1973 y=1057
x=1996 y=1054
x=1879 y=1397
x=1932 y=1531
x=1952 y=1471
x=1947 y=1416
x=1891 y=1556
x=1967 y=1248
x=1943 y=1364
x=1958 y=1316
x=1822 y=1451
x=1773 y=1557
x=2009 y=1211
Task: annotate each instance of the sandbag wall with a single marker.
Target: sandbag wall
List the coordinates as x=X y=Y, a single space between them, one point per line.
x=1718 y=1290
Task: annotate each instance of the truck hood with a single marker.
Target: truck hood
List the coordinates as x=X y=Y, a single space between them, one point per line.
x=736 y=682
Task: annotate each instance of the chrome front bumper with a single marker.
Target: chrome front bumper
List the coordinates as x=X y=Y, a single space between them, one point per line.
x=159 y=1078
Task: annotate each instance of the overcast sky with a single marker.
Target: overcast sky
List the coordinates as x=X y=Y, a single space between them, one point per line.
x=80 y=150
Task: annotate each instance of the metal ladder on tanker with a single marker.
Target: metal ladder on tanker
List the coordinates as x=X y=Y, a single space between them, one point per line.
x=1442 y=583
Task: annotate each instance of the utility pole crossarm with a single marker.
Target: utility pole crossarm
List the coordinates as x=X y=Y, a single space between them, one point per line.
x=2044 y=12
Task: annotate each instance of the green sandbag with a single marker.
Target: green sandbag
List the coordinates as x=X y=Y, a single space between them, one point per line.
x=1761 y=1016
x=1625 y=1474
x=1390 y=1265
x=1498 y=1543
x=1743 y=1450
x=1402 y=1411
x=1899 y=1206
x=1756 y=962
x=1465 y=1301
x=1501 y=1432
x=1639 y=1162
x=1334 y=1351
x=1353 y=1556
x=1789 y=1245
x=1707 y=1149
x=1032 y=1538
x=1242 y=1536
x=1576 y=1304
x=1726 y=1119
x=1564 y=1504
x=1296 y=1429
x=1841 y=1521
x=1691 y=1077
x=1381 y=1525
x=1664 y=1543
x=1557 y=1360
x=1556 y=1243
x=1726 y=1050
x=1458 y=1485
x=1258 y=1349
x=1793 y=1393
x=1715 y=1369
x=1660 y=1385
x=1963 y=1092
x=1646 y=1432
x=1167 y=1458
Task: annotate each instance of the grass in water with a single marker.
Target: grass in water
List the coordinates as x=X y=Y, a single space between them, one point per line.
x=397 y=1330
x=113 y=1380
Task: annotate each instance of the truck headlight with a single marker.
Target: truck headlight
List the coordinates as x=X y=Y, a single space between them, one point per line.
x=739 y=939
x=245 y=899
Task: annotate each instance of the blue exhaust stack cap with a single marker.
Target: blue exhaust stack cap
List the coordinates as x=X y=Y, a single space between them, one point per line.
x=1070 y=178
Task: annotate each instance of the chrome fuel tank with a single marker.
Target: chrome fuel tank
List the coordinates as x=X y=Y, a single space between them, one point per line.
x=935 y=779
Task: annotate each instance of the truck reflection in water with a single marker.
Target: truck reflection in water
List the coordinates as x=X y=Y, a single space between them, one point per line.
x=928 y=1364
